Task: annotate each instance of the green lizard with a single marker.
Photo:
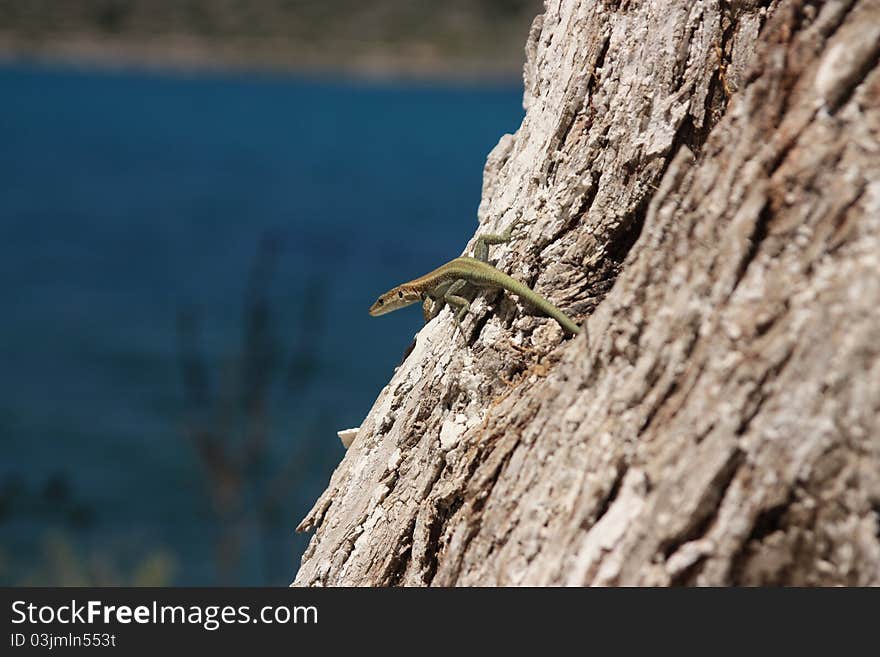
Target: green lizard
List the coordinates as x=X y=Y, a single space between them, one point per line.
x=445 y=284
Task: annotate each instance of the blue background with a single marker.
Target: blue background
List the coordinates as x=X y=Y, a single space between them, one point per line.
x=130 y=200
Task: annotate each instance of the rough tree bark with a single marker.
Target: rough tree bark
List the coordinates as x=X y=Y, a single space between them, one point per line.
x=700 y=184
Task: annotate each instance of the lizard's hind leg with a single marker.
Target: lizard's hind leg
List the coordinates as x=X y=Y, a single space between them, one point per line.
x=461 y=304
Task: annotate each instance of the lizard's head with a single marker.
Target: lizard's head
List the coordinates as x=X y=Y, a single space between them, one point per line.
x=394 y=299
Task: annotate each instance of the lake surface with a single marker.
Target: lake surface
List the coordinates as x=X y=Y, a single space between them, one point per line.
x=148 y=225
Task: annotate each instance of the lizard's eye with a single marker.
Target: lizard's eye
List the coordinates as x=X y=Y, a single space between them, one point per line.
x=400 y=294
x=381 y=301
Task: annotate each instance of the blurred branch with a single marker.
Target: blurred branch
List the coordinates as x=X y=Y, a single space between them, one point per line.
x=303 y=363
x=230 y=431
x=192 y=363
x=259 y=350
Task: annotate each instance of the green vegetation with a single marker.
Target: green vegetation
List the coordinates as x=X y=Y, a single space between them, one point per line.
x=63 y=562
x=397 y=35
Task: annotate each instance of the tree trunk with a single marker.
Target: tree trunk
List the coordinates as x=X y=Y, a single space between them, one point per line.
x=699 y=184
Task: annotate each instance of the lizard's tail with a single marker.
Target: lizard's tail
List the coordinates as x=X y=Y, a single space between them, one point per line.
x=527 y=294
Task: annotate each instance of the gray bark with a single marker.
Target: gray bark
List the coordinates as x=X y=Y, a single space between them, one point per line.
x=700 y=185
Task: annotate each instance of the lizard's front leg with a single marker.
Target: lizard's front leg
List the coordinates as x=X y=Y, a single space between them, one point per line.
x=481 y=250
x=434 y=301
x=431 y=307
x=461 y=304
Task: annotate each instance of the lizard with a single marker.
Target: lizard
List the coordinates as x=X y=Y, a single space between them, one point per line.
x=445 y=284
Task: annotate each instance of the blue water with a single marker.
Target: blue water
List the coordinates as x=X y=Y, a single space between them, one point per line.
x=126 y=199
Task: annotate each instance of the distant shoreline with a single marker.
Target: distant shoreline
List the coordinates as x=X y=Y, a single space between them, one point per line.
x=363 y=61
